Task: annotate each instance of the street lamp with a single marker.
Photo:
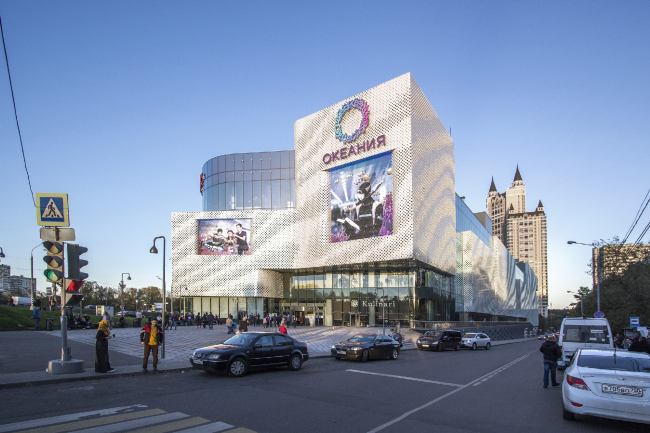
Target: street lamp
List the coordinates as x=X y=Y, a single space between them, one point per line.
x=2 y=255
x=582 y=312
x=154 y=250
x=593 y=269
x=31 y=281
x=122 y=290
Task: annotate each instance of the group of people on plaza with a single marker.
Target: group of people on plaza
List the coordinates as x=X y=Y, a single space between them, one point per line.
x=552 y=352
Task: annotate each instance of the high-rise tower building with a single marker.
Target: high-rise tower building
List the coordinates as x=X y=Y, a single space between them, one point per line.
x=523 y=233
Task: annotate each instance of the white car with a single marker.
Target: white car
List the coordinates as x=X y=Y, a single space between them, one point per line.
x=476 y=340
x=607 y=383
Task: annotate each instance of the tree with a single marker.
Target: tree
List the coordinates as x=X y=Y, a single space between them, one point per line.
x=624 y=271
x=150 y=295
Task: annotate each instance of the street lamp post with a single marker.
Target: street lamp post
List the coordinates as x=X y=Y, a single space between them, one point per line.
x=593 y=269
x=122 y=290
x=31 y=281
x=582 y=311
x=154 y=250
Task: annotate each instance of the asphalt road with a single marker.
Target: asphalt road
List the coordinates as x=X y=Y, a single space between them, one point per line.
x=499 y=390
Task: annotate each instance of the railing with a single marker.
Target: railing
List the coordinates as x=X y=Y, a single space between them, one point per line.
x=422 y=324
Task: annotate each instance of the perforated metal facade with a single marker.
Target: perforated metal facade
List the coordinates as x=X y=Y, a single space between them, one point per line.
x=397 y=115
x=492 y=282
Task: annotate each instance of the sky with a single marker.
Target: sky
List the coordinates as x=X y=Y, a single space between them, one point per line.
x=121 y=103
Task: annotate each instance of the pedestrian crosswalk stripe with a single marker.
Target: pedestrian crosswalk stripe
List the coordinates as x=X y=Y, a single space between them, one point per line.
x=22 y=425
x=241 y=430
x=137 y=423
x=208 y=428
x=173 y=426
x=78 y=425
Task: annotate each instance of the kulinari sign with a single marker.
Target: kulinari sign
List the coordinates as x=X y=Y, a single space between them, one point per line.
x=377 y=304
x=344 y=152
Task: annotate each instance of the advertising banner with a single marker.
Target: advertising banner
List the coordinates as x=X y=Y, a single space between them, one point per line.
x=225 y=237
x=362 y=199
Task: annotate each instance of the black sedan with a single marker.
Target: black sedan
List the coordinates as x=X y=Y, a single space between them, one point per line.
x=363 y=347
x=250 y=350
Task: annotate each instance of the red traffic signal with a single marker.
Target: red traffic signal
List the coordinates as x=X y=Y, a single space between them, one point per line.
x=74 y=286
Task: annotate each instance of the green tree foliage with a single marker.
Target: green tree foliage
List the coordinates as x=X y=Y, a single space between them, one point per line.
x=150 y=295
x=624 y=286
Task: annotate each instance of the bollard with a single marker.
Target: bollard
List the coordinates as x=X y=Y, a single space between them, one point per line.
x=49 y=326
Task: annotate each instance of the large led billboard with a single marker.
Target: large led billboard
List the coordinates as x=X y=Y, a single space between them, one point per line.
x=361 y=201
x=225 y=237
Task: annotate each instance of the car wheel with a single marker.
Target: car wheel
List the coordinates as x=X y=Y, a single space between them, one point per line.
x=474 y=346
x=487 y=346
x=394 y=354
x=364 y=356
x=295 y=362
x=238 y=367
x=457 y=347
x=569 y=416
x=439 y=347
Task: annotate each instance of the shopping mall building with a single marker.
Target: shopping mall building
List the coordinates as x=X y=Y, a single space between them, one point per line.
x=359 y=221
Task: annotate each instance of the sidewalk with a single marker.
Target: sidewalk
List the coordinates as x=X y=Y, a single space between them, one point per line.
x=25 y=361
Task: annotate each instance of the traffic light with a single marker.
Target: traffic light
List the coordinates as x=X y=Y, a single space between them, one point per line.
x=75 y=263
x=54 y=260
x=72 y=295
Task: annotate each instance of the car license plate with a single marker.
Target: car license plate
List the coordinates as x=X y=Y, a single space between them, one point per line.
x=623 y=390
x=198 y=362
x=340 y=352
x=425 y=345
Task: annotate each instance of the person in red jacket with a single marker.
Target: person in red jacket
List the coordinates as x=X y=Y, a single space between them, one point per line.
x=151 y=336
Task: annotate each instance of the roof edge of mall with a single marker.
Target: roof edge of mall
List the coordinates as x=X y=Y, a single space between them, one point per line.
x=363 y=208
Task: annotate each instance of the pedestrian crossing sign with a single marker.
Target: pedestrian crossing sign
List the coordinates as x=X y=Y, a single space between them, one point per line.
x=52 y=209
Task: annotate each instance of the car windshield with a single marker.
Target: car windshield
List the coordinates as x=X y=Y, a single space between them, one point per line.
x=362 y=339
x=621 y=363
x=241 y=339
x=585 y=334
x=432 y=333
x=469 y=335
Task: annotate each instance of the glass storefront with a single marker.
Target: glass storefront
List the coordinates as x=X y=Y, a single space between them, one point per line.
x=362 y=298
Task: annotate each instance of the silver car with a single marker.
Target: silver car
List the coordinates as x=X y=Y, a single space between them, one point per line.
x=476 y=340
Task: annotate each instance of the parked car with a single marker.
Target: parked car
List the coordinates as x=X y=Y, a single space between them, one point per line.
x=476 y=340
x=440 y=340
x=363 y=347
x=577 y=332
x=607 y=383
x=251 y=350
x=91 y=307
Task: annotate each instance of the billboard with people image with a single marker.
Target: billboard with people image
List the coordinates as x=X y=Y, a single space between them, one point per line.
x=361 y=203
x=225 y=237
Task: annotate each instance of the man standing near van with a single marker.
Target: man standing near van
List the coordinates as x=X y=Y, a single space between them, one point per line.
x=552 y=353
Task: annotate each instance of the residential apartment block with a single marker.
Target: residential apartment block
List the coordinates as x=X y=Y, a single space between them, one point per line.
x=523 y=233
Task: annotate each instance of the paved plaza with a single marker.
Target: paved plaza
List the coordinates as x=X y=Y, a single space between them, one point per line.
x=182 y=341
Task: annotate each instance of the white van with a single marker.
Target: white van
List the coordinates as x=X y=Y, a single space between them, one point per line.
x=577 y=332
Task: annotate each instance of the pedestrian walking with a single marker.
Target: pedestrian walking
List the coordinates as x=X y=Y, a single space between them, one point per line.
x=102 y=364
x=151 y=336
x=211 y=320
x=640 y=345
x=552 y=353
x=198 y=320
x=36 y=315
x=243 y=324
x=283 y=329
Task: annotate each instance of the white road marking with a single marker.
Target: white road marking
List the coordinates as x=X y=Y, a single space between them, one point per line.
x=424 y=406
x=406 y=378
x=136 y=423
x=207 y=428
x=64 y=418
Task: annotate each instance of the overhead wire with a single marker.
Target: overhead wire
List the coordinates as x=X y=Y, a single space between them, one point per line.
x=639 y=239
x=15 y=112
x=639 y=213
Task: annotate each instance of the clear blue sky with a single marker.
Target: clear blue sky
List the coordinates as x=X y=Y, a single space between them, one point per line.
x=120 y=103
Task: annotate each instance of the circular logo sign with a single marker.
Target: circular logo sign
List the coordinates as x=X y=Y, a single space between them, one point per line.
x=354 y=303
x=360 y=105
x=599 y=314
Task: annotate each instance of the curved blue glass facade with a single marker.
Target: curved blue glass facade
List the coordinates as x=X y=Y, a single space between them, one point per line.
x=261 y=180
